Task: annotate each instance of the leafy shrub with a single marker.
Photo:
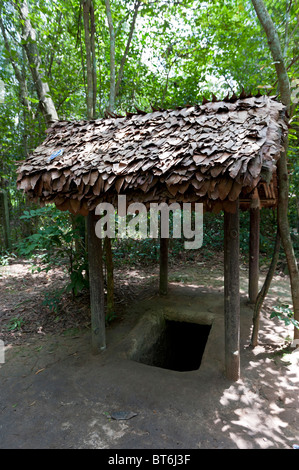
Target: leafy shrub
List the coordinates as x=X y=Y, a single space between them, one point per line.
x=56 y=243
x=285 y=313
x=15 y=324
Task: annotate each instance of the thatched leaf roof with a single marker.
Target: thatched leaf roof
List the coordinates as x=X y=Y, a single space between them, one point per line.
x=212 y=152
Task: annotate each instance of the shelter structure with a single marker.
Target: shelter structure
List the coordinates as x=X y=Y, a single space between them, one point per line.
x=221 y=153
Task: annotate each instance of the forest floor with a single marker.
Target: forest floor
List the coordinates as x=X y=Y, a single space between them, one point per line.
x=56 y=394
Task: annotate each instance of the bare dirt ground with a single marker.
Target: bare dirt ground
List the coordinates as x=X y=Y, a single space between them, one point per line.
x=55 y=394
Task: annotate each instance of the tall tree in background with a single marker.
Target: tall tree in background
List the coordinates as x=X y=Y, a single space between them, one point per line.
x=46 y=104
x=30 y=45
x=91 y=73
x=18 y=72
x=111 y=105
x=283 y=178
x=115 y=83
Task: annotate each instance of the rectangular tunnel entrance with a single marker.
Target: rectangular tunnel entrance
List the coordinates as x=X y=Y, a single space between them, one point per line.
x=179 y=347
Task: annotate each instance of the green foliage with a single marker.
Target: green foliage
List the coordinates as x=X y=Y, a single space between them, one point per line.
x=285 y=313
x=52 y=300
x=54 y=244
x=110 y=317
x=129 y=251
x=15 y=324
x=6 y=258
x=213 y=233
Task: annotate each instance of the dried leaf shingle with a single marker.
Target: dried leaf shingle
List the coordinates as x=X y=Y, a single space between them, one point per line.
x=209 y=153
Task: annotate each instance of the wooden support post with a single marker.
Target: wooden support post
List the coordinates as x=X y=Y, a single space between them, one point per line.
x=254 y=247
x=96 y=286
x=110 y=277
x=163 y=266
x=232 y=295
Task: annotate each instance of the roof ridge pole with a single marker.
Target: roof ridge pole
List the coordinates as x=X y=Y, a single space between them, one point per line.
x=232 y=294
x=96 y=286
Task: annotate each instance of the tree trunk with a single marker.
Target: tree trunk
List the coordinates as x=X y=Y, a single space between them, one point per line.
x=29 y=44
x=282 y=173
x=27 y=114
x=111 y=105
x=116 y=83
x=88 y=20
x=284 y=230
x=78 y=227
x=93 y=56
x=18 y=73
x=264 y=291
x=275 y=48
x=124 y=57
x=5 y=216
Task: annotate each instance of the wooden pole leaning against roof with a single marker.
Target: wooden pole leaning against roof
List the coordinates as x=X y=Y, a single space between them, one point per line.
x=232 y=294
x=96 y=286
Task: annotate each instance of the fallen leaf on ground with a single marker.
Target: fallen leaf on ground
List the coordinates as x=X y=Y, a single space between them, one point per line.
x=118 y=415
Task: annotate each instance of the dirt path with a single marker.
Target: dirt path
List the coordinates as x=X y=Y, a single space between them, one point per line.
x=55 y=394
